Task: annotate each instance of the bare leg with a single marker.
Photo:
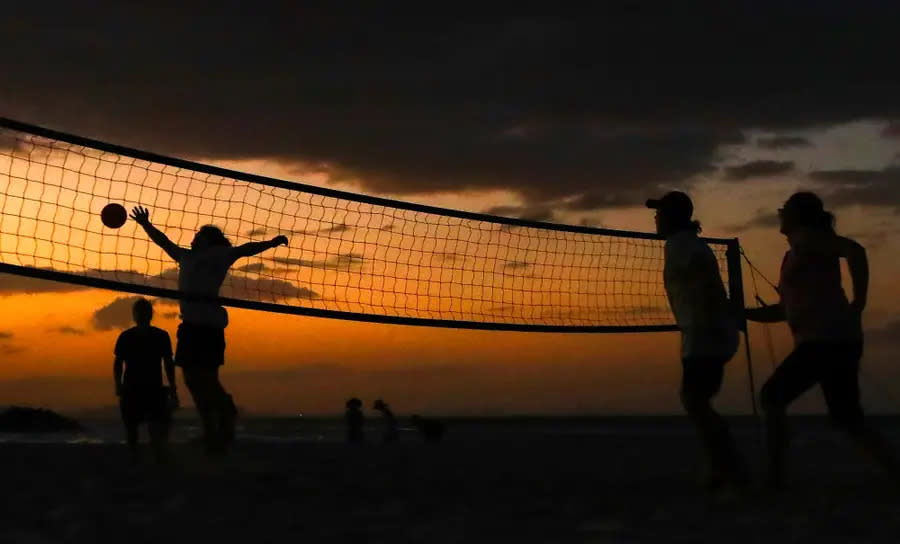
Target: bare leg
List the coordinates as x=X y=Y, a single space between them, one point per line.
x=719 y=448
x=205 y=400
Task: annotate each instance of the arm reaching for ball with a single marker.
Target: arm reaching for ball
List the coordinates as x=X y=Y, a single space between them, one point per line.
x=253 y=248
x=141 y=216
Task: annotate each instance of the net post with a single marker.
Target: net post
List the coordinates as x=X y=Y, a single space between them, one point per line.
x=736 y=282
x=736 y=294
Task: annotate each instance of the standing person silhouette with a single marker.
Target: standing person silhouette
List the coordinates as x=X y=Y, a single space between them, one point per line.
x=709 y=332
x=827 y=330
x=355 y=419
x=201 y=335
x=139 y=352
x=390 y=422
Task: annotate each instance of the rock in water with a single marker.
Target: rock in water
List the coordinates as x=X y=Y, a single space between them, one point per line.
x=19 y=419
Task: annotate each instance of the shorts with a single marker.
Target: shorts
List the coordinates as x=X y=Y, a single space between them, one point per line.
x=146 y=405
x=200 y=345
x=832 y=365
x=701 y=377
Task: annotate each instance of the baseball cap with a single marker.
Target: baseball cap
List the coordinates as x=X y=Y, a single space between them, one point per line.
x=674 y=204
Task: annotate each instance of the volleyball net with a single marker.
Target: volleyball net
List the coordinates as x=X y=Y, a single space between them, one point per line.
x=350 y=256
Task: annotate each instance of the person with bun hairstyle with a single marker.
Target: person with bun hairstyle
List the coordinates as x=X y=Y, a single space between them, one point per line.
x=827 y=330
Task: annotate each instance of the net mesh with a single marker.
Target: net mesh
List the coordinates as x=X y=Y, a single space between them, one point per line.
x=345 y=255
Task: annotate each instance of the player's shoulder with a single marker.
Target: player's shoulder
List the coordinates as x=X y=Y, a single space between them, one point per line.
x=128 y=332
x=159 y=332
x=685 y=243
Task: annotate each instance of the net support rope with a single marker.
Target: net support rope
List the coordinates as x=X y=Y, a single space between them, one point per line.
x=350 y=256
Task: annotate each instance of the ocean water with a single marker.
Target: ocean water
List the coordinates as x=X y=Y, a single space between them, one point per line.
x=186 y=428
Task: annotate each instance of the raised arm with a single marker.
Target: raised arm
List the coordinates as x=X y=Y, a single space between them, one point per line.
x=771 y=313
x=858 y=264
x=141 y=215
x=252 y=248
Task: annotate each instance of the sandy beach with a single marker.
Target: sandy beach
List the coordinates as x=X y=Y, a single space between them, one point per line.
x=532 y=481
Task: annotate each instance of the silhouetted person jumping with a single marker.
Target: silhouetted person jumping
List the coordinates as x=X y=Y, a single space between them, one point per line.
x=201 y=335
x=709 y=332
x=142 y=398
x=390 y=422
x=827 y=330
x=354 y=419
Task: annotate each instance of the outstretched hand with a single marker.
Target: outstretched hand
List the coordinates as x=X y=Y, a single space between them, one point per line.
x=141 y=215
x=280 y=240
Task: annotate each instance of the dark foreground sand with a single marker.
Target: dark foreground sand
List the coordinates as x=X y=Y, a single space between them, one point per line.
x=519 y=484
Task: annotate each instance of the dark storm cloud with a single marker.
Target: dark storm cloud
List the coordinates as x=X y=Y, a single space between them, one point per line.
x=69 y=330
x=538 y=212
x=758 y=169
x=116 y=314
x=346 y=261
x=764 y=218
x=4 y=335
x=783 y=142
x=616 y=103
x=11 y=284
x=251 y=267
x=865 y=187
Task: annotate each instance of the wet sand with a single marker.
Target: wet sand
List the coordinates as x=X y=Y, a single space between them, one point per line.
x=519 y=483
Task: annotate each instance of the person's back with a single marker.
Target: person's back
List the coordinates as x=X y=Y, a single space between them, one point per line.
x=202 y=272
x=143 y=349
x=815 y=303
x=698 y=297
x=140 y=354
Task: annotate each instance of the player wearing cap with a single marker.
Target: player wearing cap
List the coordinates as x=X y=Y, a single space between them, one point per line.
x=709 y=332
x=826 y=327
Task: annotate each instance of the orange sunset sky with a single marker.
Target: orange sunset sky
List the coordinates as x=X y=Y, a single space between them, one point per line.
x=553 y=119
x=57 y=345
